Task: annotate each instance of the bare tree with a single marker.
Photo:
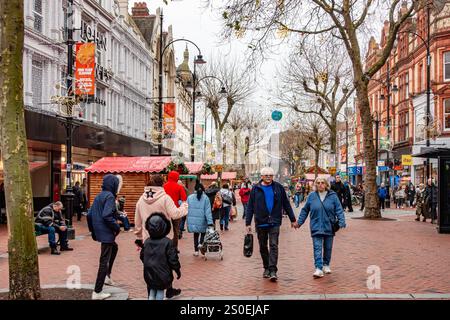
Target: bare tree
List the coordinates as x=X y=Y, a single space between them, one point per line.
x=316 y=80
x=22 y=248
x=293 y=149
x=238 y=86
x=345 y=20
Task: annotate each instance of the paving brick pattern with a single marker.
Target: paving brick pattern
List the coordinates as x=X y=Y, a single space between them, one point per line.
x=413 y=257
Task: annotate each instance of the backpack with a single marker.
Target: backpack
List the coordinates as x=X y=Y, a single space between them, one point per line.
x=226 y=198
x=217 y=201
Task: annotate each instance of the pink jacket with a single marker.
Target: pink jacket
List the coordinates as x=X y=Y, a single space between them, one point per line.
x=155 y=199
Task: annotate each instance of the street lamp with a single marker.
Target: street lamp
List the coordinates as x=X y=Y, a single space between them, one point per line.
x=375 y=118
x=197 y=60
x=194 y=88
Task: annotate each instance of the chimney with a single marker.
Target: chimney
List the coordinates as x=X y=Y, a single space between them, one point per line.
x=123 y=7
x=140 y=10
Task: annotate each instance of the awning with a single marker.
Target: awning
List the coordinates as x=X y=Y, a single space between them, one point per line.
x=129 y=164
x=35 y=165
x=225 y=176
x=434 y=153
x=319 y=170
x=194 y=167
x=188 y=176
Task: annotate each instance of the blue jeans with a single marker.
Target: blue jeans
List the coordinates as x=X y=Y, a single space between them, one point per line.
x=245 y=205
x=323 y=245
x=125 y=222
x=51 y=235
x=297 y=200
x=156 y=294
x=225 y=216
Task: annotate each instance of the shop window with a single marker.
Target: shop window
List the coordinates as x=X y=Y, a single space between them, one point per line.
x=447 y=114
x=38 y=18
x=447 y=66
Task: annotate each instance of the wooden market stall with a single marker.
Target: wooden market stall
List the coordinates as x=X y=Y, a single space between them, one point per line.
x=227 y=177
x=135 y=171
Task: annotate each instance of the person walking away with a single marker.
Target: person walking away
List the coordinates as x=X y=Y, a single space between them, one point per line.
x=104 y=228
x=324 y=209
x=339 y=188
x=412 y=195
x=77 y=200
x=215 y=200
x=155 y=199
x=244 y=193
x=228 y=200
x=431 y=199
x=199 y=216
x=267 y=200
x=382 y=194
x=159 y=256
x=348 y=197
x=50 y=221
x=84 y=190
x=420 y=203
x=401 y=195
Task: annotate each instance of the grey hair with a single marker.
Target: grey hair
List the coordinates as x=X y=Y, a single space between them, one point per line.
x=267 y=171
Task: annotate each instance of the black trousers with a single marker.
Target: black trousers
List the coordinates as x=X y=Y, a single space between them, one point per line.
x=78 y=211
x=382 y=203
x=107 y=257
x=269 y=254
x=196 y=242
x=176 y=232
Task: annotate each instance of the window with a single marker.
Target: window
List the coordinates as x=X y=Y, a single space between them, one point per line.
x=37 y=12
x=447 y=114
x=447 y=66
x=419 y=77
x=407 y=85
x=36 y=75
x=403 y=127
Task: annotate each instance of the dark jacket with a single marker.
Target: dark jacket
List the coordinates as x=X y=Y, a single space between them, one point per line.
x=431 y=194
x=339 y=188
x=48 y=217
x=103 y=212
x=211 y=193
x=257 y=206
x=159 y=256
x=78 y=197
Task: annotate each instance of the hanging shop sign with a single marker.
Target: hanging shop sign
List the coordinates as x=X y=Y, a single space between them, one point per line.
x=85 y=69
x=169 y=124
x=406 y=160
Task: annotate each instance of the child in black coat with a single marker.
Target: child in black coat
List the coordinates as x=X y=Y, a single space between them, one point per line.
x=159 y=256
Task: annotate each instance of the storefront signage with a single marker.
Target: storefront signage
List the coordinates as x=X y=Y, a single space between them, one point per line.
x=406 y=160
x=88 y=34
x=102 y=73
x=85 y=69
x=383 y=168
x=169 y=120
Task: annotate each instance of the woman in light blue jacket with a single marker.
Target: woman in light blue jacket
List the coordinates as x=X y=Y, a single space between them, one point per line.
x=199 y=216
x=324 y=209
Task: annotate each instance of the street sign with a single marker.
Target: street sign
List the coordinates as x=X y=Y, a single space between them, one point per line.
x=406 y=160
x=383 y=168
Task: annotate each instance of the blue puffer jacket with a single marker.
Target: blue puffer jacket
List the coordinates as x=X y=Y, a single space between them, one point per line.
x=382 y=192
x=320 y=222
x=199 y=213
x=102 y=214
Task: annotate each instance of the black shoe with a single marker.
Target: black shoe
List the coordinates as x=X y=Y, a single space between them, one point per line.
x=266 y=273
x=55 y=251
x=66 y=249
x=180 y=235
x=226 y=229
x=417 y=219
x=221 y=227
x=273 y=276
x=172 y=292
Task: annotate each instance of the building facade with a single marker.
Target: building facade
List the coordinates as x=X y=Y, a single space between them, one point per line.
x=406 y=71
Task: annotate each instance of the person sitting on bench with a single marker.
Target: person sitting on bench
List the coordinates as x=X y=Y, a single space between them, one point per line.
x=49 y=221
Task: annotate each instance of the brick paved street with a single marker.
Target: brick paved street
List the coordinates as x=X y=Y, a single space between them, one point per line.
x=412 y=256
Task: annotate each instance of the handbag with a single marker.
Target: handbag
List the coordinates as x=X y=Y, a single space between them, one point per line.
x=248 y=245
x=334 y=222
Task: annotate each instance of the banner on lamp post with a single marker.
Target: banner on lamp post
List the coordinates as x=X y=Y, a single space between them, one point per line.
x=85 y=69
x=169 y=120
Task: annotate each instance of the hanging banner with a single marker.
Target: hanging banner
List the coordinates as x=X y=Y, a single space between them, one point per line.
x=85 y=69
x=169 y=120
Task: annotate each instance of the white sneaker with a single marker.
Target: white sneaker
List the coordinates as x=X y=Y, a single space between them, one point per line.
x=318 y=273
x=326 y=269
x=109 y=282
x=100 y=296
x=195 y=253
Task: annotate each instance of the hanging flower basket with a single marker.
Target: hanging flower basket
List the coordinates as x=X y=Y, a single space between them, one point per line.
x=207 y=169
x=179 y=167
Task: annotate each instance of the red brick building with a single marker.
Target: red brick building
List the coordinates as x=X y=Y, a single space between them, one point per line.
x=406 y=69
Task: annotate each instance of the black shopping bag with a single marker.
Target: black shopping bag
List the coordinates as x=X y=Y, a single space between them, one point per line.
x=248 y=245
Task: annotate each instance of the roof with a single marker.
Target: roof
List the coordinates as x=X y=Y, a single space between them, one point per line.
x=129 y=164
x=319 y=170
x=428 y=152
x=225 y=176
x=194 y=167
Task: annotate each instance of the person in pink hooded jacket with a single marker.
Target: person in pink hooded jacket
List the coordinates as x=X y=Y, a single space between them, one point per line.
x=153 y=200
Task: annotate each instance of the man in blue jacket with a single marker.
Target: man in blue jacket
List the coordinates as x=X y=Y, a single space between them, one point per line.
x=102 y=222
x=267 y=200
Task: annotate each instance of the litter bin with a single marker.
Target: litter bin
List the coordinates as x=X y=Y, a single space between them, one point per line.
x=67 y=200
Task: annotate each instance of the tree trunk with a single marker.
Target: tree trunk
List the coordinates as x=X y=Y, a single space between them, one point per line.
x=372 y=209
x=22 y=248
x=316 y=168
x=333 y=141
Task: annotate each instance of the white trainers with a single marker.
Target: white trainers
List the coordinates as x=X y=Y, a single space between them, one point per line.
x=100 y=296
x=318 y=273
x=195 y=253
x=109 y=282
x=326 y=269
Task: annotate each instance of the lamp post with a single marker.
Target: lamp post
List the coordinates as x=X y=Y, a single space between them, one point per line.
x=197 y=60
x=376 y=119
x=194 y=88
